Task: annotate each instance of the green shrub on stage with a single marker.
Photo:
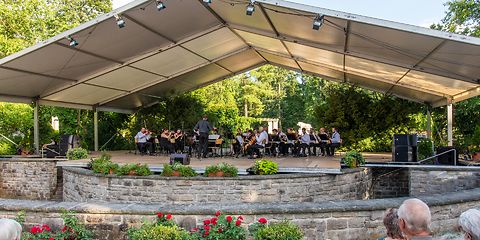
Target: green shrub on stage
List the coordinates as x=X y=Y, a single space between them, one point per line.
x=134 y=170
x=265 y=167
x=353 y=159
x=225 y=170
x=103 y=165
x=77 y=153
x=178 y=170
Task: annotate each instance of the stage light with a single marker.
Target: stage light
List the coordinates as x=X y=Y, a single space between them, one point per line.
x=318 y=22
x=250 y=9
x=120 y=21
x=160 y=5
x=207 y=2
x=73 y=42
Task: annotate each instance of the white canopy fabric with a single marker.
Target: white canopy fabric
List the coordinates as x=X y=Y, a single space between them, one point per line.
x=191 y=44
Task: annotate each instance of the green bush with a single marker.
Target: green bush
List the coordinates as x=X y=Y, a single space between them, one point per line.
x=353 y=159
x=284 y=230
x=265 y=167
x=134 y=169
x=184 y=171
x=152 y=231
x=227 y=169
x=425 y=149
x=6 y=148
x=103 y=165
x=77 y=153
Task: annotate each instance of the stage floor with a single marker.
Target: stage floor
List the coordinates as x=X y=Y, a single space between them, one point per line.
x=311 y=162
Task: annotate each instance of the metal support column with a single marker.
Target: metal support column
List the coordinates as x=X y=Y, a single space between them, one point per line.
x=450 y=124
x=36 y=132
x=95 y=129
x=429 y=123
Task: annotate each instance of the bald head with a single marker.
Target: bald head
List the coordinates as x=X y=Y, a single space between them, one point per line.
x=416 y=217
x=470 y=223
x=10 y=229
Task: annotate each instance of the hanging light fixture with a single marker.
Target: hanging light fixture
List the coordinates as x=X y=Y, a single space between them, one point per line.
x=72 y=42
x=120 y=21
x=160 y=5
x=318 y=22
x=250 y=9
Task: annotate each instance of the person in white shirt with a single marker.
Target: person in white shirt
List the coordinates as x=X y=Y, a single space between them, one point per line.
x=304 y=143
x=335 y=142
x=262 y=139
x=10 y=229
x=141 y=139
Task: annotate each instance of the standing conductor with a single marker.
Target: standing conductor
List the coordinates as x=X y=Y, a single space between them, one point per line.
x=203 y=126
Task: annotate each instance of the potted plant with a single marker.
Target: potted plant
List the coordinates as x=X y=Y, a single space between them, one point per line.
x=221 y=170
x=353 y=159
x=77 y=153
x=103 y=165
x=264 y=167
x=262 y=230
x=178 y=170
x=134 y=170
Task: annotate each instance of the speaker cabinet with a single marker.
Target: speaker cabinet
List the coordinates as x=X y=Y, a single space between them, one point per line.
x=181 y=158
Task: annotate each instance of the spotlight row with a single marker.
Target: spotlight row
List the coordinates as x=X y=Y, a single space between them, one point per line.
x=317 y=22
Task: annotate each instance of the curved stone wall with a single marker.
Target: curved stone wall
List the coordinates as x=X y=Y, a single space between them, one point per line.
x=83 y=185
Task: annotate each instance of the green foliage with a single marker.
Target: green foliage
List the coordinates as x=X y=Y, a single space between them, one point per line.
x=134 y=169
x=77 y=153
x=7 y=148
x=220 y=227
x=265 y=167
x=463 y=16
x=184 y=171
x=227 y=169
x=103 y=165
x=353 y=159
x=20 y=217
x=152 y=231
x=425 y=149
x=277 y=231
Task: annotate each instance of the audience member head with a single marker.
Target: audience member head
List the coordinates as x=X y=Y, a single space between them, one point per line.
x=334 y=129
x=469 y=222
x=275 y=131
x=322 y=130
x=390 y=221
x=10 y=229
x=414 y=218
x=143 y=130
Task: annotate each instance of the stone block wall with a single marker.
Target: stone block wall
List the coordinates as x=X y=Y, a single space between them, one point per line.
x=34 y=179
x=424 y=182
x=83 y=186
x=349 y=219
x=390 y=182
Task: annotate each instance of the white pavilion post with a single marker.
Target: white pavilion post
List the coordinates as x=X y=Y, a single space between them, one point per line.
x=36 y=132
x=450 y=124
x=95 y=129
x=429 y=123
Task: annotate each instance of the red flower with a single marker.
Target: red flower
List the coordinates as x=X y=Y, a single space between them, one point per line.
x=194 y=230
x=64 y=229
x=206 y=228
x=262 y=220
x=169 y=216
x=240 y=218
x=159 y=214
x=229 y=218
x=214 y=221
x=51 y=239
x=206 y=221
x=36 y=229
x=238 y=222
x=219 y=230
x=218 y=214
x=206 y=233
x=46 y=227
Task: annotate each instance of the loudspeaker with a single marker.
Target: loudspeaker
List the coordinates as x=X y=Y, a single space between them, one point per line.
x=400 y=139
x=412 y=140
x=181 y=158
x=402 y=154
x=447 y=158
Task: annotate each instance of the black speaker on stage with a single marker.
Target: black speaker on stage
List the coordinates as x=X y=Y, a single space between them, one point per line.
x=402 y=154
x=181 y=158
x=401 y=139
x=447 y=158
x=405 y=147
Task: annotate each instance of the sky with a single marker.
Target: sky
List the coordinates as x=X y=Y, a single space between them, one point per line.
x=416 y=12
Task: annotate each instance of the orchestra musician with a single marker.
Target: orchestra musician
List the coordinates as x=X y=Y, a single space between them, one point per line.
x=283 y=145
x=314 y=141
x=293 y=141
x=274 y=141
x=179 y=140
x=165 y=141
x=203 y=127
x=249 y=140
x=238 y=143
x=304 y=143
x=335 y=142
x=324 y=139
x=141 y=139
x=260 y=142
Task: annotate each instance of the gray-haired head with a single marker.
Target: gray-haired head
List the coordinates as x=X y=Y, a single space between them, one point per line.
x=469 y=221
x=10 y=229
x=416 y=215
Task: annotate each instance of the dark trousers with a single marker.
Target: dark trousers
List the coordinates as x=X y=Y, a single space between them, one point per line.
x=254 y=149
x=314 y=147
x=303 y=147
x=203 y=144
x=283 y=147
x=143 y=147
x=331 y=148
x=237 y=148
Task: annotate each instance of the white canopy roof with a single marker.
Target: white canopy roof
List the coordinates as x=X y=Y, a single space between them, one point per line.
x=189 y=45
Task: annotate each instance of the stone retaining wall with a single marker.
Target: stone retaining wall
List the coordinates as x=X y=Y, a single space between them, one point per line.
x=424 y=182
x=28 y=179
x=84 y=186
x=390 y=182
x=352 y=219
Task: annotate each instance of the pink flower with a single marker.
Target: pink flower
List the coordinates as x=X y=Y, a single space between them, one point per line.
x=218 y=214
x=206 y=221
x=262 y=220
x=229 y=218
x=238 y=222
x=169 y=216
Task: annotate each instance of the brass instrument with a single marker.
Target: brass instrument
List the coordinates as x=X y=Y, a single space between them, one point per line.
x=252 y=141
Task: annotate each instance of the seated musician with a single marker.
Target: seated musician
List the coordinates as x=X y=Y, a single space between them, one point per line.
x=238 y=143
x=141 y=139
x=304 y=143
x=324 y=140
x=314 y=141
x=293 y=141
x=179 y=141
x=283 y=145
x=165 y=143
x=275 y=141
x=261 y=140
x=335 y=142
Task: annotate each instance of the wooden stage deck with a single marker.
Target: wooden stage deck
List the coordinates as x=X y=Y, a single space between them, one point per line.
x=299 y=163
